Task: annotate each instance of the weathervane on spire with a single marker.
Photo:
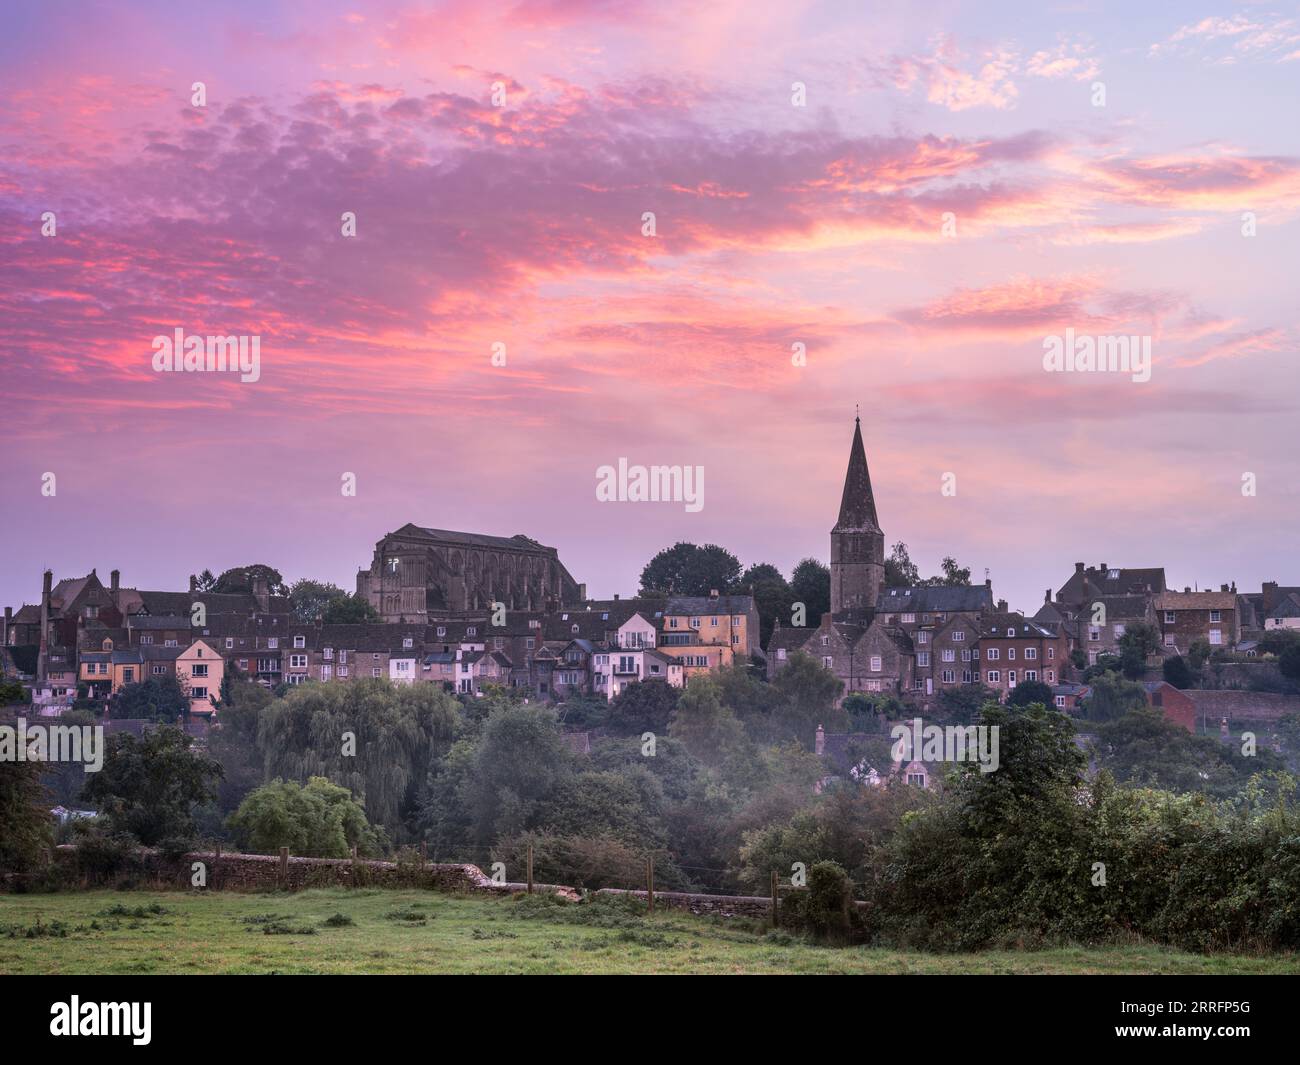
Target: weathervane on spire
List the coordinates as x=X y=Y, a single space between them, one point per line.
x=857 y=415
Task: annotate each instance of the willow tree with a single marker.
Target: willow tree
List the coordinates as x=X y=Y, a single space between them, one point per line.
x=373 y=738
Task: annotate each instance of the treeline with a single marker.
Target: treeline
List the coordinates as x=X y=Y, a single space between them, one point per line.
x=1179 y=838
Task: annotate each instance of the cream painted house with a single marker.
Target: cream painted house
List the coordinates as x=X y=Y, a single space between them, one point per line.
x=200 y=669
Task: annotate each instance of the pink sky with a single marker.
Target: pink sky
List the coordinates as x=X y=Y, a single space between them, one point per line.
x=521 y=224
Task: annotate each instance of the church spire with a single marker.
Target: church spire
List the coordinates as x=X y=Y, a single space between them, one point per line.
x=858 y=504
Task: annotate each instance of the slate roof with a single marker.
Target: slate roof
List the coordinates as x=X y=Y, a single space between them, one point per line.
x=1013 y=626
x=518 y=542
x=858 y=503
x=936 y=599
x=706 y=605
x=1196 y=601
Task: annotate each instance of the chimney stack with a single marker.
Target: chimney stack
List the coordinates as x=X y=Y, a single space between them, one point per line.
x=821 y=741
x=4 y=637
x=1223 y=587
x=114 y=579
x=713 y=593
x=1104 y=568
x=1002 y=606
x=1047 y=596
x=194 y=584
x=1078 y=567
x=47 y=585
x=262 y=593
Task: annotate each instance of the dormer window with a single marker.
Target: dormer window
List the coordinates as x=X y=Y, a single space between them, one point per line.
x=472 y=630
x=300 y=641
x=442 y=630
x=1112 y=574
x=408 y=643
x=573 y=629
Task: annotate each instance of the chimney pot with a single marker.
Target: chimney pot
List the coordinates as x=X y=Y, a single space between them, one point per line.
x=1187 y=589
x=1002 y=606
x=194 y=584
x=988 y=582
x=1047 y=596
x=114 y=580
x=1104 y=567
x=1078 y=567
x=713 y=593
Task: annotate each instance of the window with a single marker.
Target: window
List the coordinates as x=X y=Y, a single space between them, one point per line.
x=1051 y=676
x=159 y=671
x=1011 y=654
x=170 y=643
x=922 y=658
x=966 y=676
x=713 y=622
x=965 y=654
x=198 y=693
x=530 y=642
x=146 y=639
x=994 y=676
x=472 y=630
x=1169 y=639
x=828 y=661
x=948 y=655
x=128 y=674
x=1094 y=633
x=343 y=656
x=1216 y=616
x=993 y=654
x=780 y=654
x=1011 y=678
x=1118 y=630
x=1112 y=574
x=230 y=643
x=272 y=643
x=948 y=676
x=1031 y=654
x=1031 y=674
x=402 y=665
x=1060 y=701
x=735 y=622
x=1169 y=617
x=442 y=630
x=917 y=779
x=695 y=623
x=922 y=637
x=407 y=643
x=875 y=663
x=1216 y=636
x=959 y=636
x=300 y=641
x=1051 y=653
x=908 y=619
x=326 y=672
x=198 y=671
x=826 y=641
x=297 y=661
x=376 y=671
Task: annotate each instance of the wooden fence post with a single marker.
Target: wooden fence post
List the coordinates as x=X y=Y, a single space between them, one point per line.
x=424 y=850
x=650 y=884
x=775 y=920
x=284 y=867
x=530 y=868
x=216 y=862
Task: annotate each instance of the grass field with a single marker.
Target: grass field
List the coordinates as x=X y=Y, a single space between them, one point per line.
x=372 y=931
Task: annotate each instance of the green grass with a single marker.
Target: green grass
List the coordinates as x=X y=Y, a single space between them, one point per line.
x=421 y=932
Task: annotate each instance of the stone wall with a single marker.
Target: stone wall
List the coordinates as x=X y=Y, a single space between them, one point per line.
x=266 y=872
x=721 y=905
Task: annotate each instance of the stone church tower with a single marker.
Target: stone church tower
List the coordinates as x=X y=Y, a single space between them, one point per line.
x=857 y=543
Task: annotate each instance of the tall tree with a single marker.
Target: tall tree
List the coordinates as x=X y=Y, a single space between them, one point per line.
x=240 y=579
x=689 y=569
x=900 y=570
x=149 y=785
x=373 y=738
x=772 y=596
x=810 y=584
x=23 y=815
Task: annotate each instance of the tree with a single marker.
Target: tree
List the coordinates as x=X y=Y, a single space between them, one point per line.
x=149 y=785
x=520 y=756
x=308 y=599
x=810 y=584
x=157 y=698
x=772 y=596
x=376 y=739
x=1288 y=662
x=241 y=579
x=1178 y=673
x=688 y=569
x=27 y=829
x=709 y=730
x=1112 y=697
x=962 y=705
x=900 y=570
x=1030 y=691
x=953 y=574
x=808 y=693
x=644 y=707
x=320 y=820
x=1141 y=639
x=205 y=582
x=349 y=610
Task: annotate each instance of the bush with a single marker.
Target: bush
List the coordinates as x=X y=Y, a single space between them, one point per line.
x=825 y=910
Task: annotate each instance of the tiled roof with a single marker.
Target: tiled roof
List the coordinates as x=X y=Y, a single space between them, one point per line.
x=706 y=605
x=1196 y=601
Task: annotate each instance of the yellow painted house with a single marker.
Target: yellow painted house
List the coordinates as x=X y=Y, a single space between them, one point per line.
x=716 y=628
